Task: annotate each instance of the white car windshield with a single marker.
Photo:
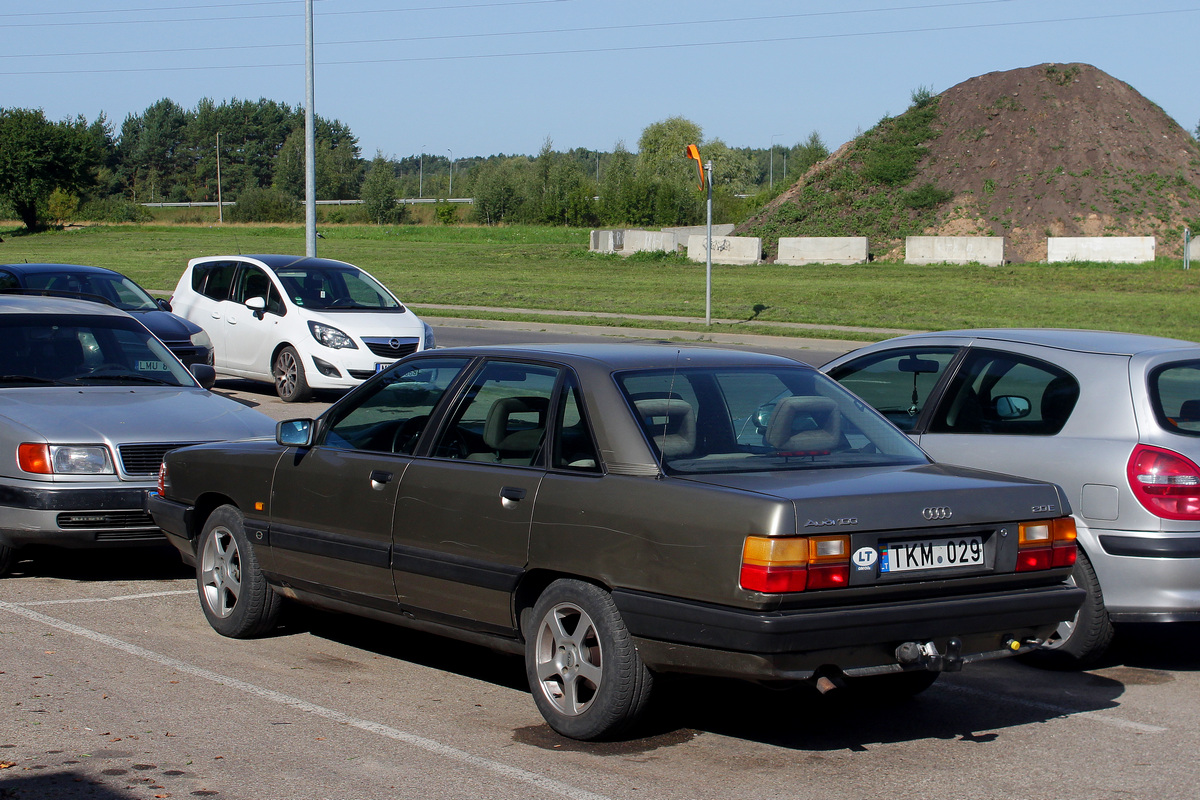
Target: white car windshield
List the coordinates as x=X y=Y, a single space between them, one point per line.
x=336 y=289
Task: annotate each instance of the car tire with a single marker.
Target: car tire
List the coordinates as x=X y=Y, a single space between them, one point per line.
x=584 y=671
x=7 y=554
x=235 y=596
x=290 y=383
x=1080 y=642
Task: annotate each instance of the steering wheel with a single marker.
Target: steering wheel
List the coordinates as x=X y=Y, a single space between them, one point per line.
x=405 y=438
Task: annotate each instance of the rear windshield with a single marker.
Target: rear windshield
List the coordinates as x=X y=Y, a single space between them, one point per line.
x=1175 y=395
x=740 y=419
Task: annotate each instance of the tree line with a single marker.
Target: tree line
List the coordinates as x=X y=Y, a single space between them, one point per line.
x=253 y=152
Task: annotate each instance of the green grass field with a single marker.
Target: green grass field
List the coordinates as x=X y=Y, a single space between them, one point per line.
x=550 y=268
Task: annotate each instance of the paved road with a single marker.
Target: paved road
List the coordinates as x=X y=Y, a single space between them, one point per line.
x=113 y=686
x=451 y=332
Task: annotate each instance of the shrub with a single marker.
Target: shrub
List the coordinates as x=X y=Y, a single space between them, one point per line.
x=61 y=206
x=264 y=205
x=113 y=209
x=926 y=196
x=446 y=213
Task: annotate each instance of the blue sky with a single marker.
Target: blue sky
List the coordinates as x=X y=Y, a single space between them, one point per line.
x=478 y=77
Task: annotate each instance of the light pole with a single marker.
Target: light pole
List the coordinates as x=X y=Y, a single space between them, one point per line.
x=421 y=173
x=771 y=183
x=451 y=190
x=220 y=208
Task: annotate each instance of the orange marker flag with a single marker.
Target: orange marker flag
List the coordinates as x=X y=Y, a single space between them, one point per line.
x=694 y=152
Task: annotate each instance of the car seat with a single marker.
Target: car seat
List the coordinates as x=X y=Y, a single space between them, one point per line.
x=671 y=424
x=804 y=424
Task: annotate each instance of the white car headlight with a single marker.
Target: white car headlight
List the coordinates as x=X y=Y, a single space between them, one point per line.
x=331 y=336
x=429 y=345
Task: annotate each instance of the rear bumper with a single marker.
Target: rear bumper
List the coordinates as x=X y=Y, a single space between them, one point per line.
x=1148 y=576
x=678 y=635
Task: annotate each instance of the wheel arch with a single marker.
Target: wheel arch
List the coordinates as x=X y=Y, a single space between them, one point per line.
x=534 y=583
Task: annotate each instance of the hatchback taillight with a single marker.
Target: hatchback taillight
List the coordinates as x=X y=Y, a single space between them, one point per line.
x=1166 y=483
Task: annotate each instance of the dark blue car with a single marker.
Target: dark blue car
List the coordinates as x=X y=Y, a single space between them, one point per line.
x=186 y=340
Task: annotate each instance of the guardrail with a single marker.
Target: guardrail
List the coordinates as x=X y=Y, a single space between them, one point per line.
x=399 y=201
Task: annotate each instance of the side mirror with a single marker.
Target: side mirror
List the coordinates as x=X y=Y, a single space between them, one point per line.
x=163 y=303
x=295 y=432
x=204 y=374
x=762 y=416
x=1011 y=406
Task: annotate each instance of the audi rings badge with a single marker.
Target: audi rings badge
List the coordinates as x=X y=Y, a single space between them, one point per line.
x=937 y=512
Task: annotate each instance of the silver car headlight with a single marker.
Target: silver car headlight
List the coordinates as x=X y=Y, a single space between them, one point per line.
x=331 y=336
x=200 y=339
x=429 y=345
x=62 y=459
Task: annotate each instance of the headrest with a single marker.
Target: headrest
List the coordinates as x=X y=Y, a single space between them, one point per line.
x=671 y=424
x=804 y=424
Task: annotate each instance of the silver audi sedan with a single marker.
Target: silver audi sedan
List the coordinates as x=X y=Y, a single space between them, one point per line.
x=1113 y=418
x=90 y=402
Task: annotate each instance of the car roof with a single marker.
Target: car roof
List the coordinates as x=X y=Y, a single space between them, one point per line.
x=278 y=261
x=33 y=269
x=625 y=355
x=1085 y=341
x=37 y=304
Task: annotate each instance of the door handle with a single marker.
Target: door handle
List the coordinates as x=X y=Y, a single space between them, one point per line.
x=380 y=478
x=511 y=495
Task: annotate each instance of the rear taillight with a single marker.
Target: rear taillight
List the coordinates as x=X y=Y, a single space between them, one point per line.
x=1164 y=482
x=162 y=479
x=795 y=563
x=1046 y=544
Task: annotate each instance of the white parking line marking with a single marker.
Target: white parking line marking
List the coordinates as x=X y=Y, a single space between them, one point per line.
x=106 y=599
x=429 y=745
x=1073 y=713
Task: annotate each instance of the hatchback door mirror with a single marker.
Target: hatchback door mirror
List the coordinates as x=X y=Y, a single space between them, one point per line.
x=1011 y=406
x=163 y=303
x=295 y=432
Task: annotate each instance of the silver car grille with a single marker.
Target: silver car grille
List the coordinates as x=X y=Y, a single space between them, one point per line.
x=144 y=459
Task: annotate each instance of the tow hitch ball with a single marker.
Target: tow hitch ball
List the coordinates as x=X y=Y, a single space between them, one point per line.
x=915 y=655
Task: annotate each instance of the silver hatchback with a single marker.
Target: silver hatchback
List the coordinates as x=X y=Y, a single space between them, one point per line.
x=1113 y=418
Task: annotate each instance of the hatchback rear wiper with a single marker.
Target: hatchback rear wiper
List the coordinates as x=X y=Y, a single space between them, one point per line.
x=25 y=379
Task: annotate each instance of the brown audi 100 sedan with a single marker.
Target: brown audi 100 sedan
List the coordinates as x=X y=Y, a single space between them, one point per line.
x=614 y=511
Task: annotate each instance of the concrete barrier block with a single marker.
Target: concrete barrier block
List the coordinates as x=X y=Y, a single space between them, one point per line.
x=986 y=250
x=607 y=241
x=682 y=234
x=800 y=250
x=637 y=241
x=725 y=249
x=1119 y=249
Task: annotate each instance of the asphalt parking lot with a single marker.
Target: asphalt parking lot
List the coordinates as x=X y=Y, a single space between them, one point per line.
x=113 y=686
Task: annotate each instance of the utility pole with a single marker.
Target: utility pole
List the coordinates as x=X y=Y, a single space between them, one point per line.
x=310 y=138
x=450 y=191
x=220 y=208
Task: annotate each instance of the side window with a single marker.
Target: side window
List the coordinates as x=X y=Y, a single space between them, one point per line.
x=8 y=281
x=254 y=282
x=897 y=383
x=1007 y=394
x=391 y=417
x=501 y=419
x=574 y=448
x=213 y=279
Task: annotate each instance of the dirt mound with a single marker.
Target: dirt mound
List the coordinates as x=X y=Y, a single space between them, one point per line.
x=1050 y=150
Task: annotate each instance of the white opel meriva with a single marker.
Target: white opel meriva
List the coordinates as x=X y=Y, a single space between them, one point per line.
x=301 y=323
